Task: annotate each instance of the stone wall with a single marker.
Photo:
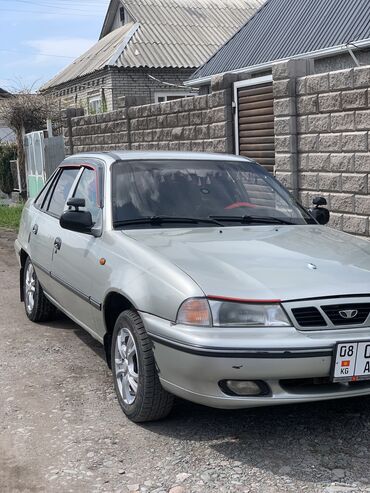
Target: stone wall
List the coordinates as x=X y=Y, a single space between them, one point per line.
x=322 y=125
x=198 y=123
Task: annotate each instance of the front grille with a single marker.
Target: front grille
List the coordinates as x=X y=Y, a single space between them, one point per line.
x=309 y=317
x=348 y=314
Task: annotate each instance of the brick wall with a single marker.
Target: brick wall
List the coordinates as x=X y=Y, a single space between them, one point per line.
x=322 y=125
x=116 y=83
x=198 y=123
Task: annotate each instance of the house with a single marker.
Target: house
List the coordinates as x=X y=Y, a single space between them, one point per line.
x=6 y=134
x=147 y=48
x=334 y=34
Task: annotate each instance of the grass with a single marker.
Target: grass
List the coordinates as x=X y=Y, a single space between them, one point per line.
x=10 y=216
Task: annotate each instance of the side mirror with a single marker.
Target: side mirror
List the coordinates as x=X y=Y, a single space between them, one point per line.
x=76 y=220
x=321 y=214
x=76 y=202
x=317 y=201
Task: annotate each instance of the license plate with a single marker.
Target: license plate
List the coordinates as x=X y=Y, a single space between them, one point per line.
x=352 y=362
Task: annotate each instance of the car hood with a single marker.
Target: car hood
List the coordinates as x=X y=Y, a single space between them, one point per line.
x=266 y=262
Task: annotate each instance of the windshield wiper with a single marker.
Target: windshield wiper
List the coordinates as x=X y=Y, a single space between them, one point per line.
x=251 y=219
x=158 y=220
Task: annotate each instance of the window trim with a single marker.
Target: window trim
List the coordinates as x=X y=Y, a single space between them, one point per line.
x=54 y=186
x=91 y=168
x=49 y=183
x=165 y=94
x=94 y=99
x=54 y=178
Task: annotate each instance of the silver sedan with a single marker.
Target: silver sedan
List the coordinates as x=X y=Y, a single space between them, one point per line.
x=202 y=277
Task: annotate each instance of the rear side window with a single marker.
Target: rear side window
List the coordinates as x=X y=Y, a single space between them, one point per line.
x=62 y=190
x=44 y=192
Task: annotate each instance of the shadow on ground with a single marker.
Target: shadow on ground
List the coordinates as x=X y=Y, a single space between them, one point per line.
x=305 y=441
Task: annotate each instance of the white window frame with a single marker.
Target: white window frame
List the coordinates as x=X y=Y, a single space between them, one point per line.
x=237 y=85
x=95 y=99
x=160 y=94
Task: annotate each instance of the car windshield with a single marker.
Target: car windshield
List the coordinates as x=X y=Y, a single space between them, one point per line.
x=173 y=193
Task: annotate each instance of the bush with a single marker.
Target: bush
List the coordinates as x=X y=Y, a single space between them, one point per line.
x=7 y=154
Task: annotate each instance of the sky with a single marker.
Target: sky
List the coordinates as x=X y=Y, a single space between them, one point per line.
x=38 y=38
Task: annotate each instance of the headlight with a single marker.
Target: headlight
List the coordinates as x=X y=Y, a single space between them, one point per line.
x=203 y=312
x=230 y=313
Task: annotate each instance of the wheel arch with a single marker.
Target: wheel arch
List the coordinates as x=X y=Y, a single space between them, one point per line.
x=114 y=304
x=23 y=258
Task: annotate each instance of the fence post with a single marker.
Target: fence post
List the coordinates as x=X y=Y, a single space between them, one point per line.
x=284 y=75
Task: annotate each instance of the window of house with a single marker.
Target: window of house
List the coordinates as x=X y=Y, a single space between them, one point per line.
x=162 y=97
x=122 y=15
x=95 y=105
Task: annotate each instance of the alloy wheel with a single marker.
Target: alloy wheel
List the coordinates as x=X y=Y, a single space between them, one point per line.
x=30 y=288
x=126 y=365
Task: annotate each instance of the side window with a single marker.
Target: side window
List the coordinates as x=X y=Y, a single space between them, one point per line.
x=61 y=191
x=43 y=194
x=87 y=189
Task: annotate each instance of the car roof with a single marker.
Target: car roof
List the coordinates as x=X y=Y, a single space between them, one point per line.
x=122 y=155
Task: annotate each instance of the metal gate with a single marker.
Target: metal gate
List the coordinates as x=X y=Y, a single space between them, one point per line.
x=254 y=120
x=43 y=155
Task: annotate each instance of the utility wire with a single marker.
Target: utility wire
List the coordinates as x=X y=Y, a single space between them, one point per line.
x=43 y=54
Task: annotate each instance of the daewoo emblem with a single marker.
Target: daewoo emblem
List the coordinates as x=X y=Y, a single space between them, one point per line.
x=348 y=313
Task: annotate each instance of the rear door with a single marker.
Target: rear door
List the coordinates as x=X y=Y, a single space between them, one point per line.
x=45 y=223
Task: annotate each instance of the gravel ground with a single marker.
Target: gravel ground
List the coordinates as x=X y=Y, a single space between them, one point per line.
x=61 y=429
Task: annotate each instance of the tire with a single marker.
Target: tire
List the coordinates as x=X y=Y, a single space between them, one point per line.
x=38 y=308
x=136 y=381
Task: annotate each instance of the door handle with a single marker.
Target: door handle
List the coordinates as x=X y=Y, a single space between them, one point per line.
x=35 y=229
x=57 y=244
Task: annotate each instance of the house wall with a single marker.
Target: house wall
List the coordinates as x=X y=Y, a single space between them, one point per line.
x=322 y=125
x=341 y=62
x=117 y=83
x=199 y=123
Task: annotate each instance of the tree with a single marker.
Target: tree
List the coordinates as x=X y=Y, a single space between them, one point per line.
x=7 y=153
x=25 y=112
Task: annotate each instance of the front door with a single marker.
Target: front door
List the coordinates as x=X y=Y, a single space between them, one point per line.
x=75 y=259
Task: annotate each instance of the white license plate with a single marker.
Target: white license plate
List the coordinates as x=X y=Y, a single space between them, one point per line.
x=352 y=362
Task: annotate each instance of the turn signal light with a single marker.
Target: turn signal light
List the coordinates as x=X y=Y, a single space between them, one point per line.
x=194 y=311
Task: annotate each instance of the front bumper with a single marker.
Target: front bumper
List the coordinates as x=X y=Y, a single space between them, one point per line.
x=295 y=366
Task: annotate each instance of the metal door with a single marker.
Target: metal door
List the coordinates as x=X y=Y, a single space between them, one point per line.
x=254 y=120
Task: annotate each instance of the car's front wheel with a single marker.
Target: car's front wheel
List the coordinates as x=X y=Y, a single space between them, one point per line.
x=137 y=385
x=38 y=307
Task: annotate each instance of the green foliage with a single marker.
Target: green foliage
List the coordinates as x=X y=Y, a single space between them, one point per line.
x=7 y=154
x=10 y=216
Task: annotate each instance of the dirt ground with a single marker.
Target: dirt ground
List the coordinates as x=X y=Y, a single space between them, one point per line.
x=61 y=429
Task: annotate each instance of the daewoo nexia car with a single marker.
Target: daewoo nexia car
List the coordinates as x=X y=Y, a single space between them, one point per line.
x=202 y=277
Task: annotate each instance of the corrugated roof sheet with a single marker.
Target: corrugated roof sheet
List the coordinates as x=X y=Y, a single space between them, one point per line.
x=94 y=59
x=171 y=34
x=284 y=28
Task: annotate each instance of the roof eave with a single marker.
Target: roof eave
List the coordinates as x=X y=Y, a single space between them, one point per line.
x=334 y=50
